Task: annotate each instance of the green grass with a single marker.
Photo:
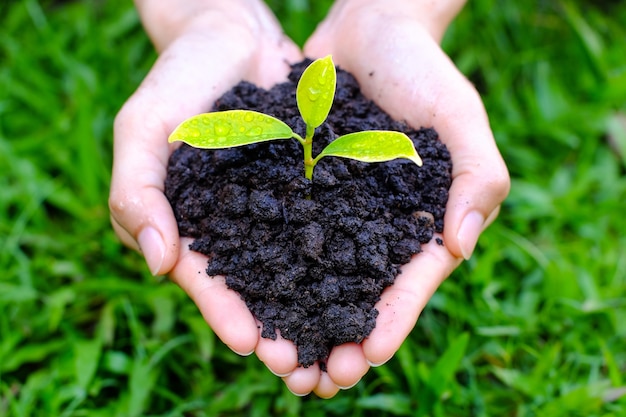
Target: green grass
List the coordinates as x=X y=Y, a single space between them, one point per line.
x=533 y=325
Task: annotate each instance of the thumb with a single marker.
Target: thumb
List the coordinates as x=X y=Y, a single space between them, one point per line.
x=480 y=179
x=428 y=90
x=140 y=214
x=183 y=82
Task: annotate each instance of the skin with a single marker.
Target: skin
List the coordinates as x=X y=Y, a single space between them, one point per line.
x=405 y=72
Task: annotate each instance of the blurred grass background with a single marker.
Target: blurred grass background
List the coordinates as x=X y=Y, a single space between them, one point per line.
x=533 y=325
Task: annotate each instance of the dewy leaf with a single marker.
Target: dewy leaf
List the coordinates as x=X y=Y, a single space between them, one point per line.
x=373 y=146
x=230 y=128
x=316 y=91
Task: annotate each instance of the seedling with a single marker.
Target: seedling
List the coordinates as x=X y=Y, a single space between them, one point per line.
x=314 y=95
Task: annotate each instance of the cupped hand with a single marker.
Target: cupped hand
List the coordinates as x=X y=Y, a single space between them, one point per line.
x=203 y=53
x=392 y=49
x=396 y=59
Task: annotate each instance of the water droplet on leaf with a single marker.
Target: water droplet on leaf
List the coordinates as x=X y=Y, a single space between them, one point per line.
x=222 y=128
x=314 y=94
x=254 y=131
x=323 y=78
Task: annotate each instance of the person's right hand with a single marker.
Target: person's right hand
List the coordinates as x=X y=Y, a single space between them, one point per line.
x=206 y=47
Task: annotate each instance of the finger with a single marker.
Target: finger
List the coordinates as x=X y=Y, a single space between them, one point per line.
x=303 y=380
x=347 y=365
x=184 y=81
x=140 y=213
x=426 y=90
x=273 y=55
x=280 y=355
x=402 y=303
x=326 y=387
x=222 y=308
x=272 y=65
x=480 y=180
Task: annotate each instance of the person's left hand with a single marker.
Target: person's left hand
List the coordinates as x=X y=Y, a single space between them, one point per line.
x=392 y=49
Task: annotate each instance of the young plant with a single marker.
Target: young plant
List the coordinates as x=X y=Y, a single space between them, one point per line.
x=314 y=95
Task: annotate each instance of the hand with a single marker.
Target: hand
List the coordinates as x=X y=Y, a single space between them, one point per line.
x=206 y=47
x=392 y=49
x=245 y=41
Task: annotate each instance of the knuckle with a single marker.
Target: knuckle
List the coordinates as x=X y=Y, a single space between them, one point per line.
x=117 y=203
x=123 y=116
x=501 y=183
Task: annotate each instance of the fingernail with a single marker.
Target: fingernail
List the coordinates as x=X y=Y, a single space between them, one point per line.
x=377 y=364
x=279 y=374
x=468 y=233
x=241 y=353
x=348 y=387
x=153 y=249
x=298 y=394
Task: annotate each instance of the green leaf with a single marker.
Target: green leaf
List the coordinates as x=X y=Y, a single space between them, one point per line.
x=86 y=358
x=316 y=91
x=448 y=364
x=398 y=404
x=372 y=146
x=229 y=128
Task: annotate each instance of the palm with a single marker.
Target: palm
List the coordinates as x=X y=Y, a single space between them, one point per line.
x=399 y=307
x=183 y=82
x=405 y=72
x=409 y=76
x=222 y=308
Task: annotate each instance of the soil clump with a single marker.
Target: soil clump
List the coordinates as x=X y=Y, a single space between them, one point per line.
x=310 y=268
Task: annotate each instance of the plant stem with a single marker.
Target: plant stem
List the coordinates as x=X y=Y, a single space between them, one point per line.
x=307 y=144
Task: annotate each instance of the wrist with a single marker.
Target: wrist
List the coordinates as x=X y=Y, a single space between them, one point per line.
x=167 y=20
x=433 y=15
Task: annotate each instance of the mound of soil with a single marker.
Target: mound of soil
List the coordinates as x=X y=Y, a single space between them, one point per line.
x=311 y=268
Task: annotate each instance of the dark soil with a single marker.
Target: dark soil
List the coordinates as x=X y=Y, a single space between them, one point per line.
x=310 y=268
